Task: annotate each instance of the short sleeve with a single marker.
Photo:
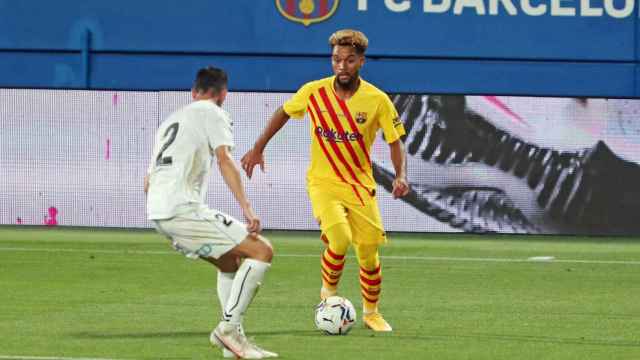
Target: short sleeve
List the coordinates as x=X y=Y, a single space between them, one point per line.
x=296 y=106
x=389 y=120
x=219 y=131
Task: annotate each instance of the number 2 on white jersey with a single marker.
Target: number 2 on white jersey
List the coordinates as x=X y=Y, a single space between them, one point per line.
x=167 y=160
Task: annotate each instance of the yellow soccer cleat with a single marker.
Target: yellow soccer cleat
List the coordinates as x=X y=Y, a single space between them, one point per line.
x=376 y=322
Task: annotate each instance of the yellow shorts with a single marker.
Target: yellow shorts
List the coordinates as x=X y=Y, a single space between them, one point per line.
x=336 y=203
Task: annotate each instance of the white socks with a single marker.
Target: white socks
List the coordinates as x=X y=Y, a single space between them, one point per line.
x=242 y=290
x=225 y=279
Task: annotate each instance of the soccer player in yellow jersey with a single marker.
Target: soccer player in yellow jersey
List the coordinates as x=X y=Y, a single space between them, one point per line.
x=345 y=114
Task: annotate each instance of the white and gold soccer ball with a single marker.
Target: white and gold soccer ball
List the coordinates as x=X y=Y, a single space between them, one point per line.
x=335 y=315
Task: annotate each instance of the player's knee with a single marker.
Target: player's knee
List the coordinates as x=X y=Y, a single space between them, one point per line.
x=368 y=258
x=264 y=240
x=226 y=263
x=339 y=247
x=263 y=248
x=368 y=263
x=267 y=252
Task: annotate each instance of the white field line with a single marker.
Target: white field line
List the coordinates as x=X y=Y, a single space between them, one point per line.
x=389 y=257
x=21 y=357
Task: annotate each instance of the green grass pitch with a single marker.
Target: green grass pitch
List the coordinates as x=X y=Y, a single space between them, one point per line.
x=118 y=294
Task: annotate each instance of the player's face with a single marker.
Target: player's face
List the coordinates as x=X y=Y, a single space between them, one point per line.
x=346 y=63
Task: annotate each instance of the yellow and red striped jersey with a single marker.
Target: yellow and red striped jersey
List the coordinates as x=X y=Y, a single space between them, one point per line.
x=343 y=131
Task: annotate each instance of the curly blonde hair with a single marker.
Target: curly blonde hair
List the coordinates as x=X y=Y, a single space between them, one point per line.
x=349 y=37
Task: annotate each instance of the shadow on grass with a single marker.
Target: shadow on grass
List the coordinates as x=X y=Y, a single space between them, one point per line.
x=140 y=335
x=396 y=336
x=184 y=334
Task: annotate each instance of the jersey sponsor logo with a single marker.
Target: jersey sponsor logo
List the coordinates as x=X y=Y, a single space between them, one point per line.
x=338 y=136
x=397 y=122
x=307 y=12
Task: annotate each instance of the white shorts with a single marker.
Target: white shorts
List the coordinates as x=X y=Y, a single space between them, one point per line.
x=203 y=233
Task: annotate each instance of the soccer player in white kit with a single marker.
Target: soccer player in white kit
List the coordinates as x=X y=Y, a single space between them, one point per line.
x=176 y=185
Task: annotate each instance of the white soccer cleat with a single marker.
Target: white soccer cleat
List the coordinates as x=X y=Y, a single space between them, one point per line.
x=234 y=344
x=266 y=353
x=232 y=339
x=227 y=354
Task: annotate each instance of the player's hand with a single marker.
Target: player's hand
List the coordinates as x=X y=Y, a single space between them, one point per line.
x=253 y=222
x=400 y=187
x=250 y=160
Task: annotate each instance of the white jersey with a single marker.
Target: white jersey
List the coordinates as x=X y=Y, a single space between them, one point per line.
x=182 y=158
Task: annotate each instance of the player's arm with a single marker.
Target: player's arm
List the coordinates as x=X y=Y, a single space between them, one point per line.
x=393 y=130
x=231 y=175
x=254 y=156
x=150 y=168
x=399 y=160
x=147 y=178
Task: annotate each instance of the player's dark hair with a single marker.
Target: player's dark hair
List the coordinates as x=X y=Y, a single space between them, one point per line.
x=210 y=78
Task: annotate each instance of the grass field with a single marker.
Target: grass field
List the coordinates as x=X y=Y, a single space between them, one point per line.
x=117 y=294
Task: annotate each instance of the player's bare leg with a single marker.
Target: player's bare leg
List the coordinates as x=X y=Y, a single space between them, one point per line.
x=225 y=264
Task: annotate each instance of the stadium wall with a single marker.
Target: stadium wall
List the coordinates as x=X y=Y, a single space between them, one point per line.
x=476 y=163
x=520 y=47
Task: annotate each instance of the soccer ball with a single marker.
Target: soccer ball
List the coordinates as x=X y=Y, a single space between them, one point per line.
x=335 y=315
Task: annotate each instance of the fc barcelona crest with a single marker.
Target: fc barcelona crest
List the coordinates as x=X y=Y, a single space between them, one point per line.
x=307 y=12
x=361 y=117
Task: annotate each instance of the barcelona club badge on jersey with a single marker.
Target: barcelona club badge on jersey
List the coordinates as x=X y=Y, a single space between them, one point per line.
x=307 y=12
x=361 y=117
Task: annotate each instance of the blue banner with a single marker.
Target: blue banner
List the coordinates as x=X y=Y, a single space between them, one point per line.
x=517 y=47
x=499 y=29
